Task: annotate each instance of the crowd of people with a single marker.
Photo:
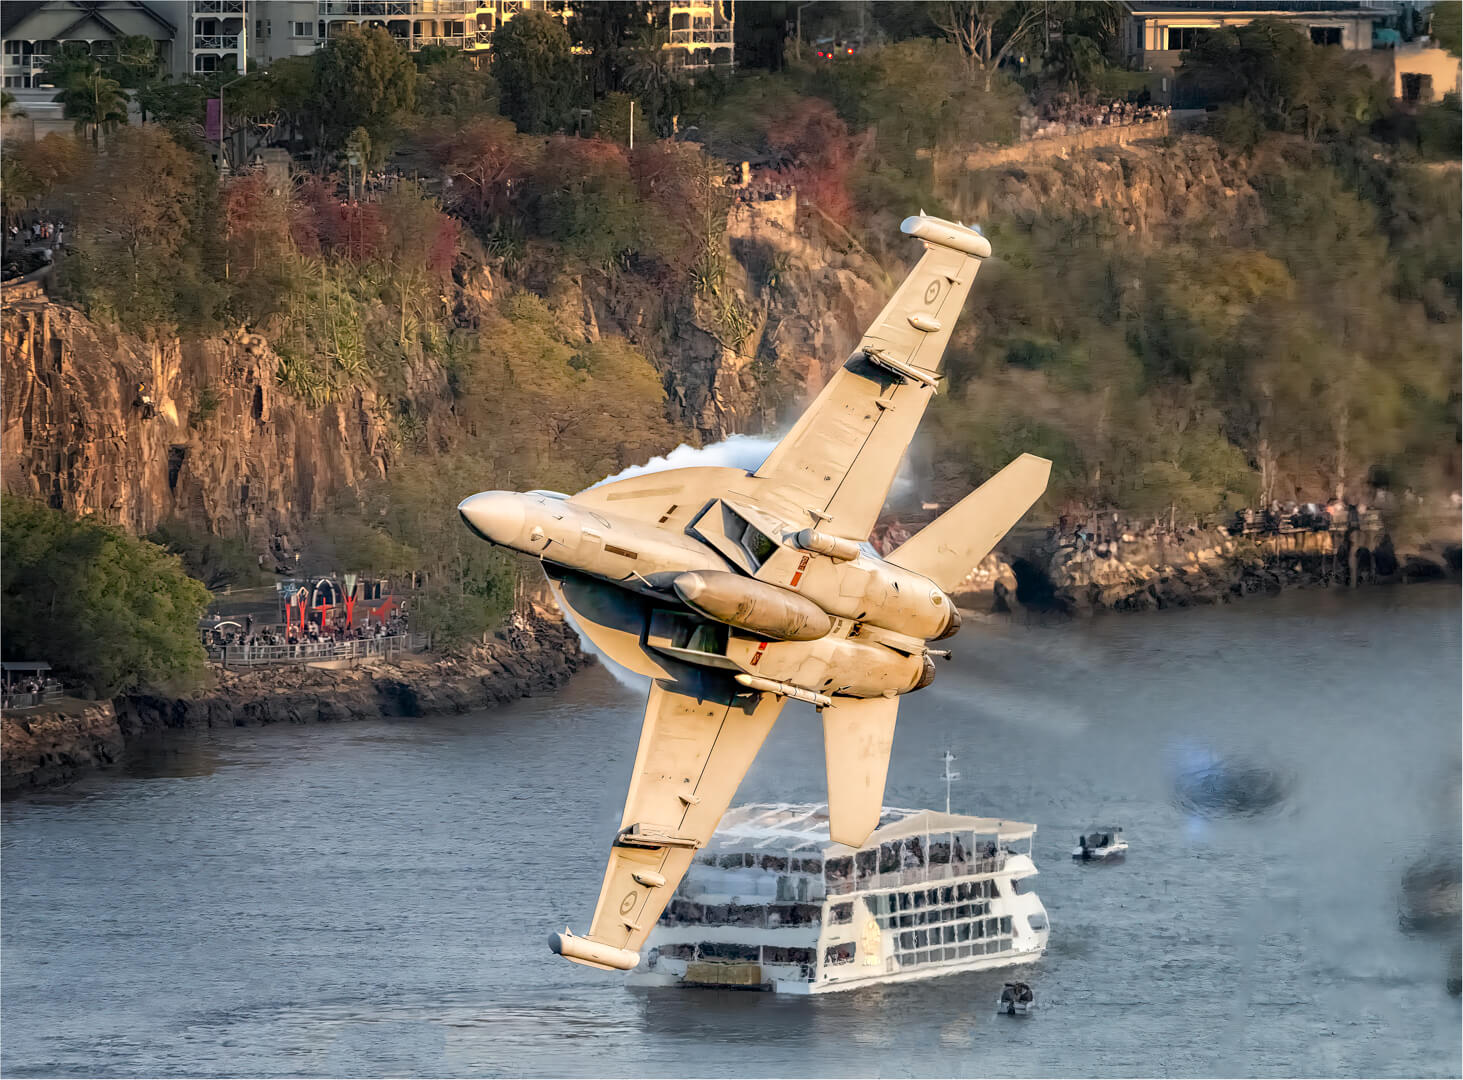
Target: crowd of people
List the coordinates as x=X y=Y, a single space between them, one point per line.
x=30 y=245
x=1066 y=114
x=20 y=693
x=335 y=632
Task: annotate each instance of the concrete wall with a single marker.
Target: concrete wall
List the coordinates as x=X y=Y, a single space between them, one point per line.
x=1049 y=146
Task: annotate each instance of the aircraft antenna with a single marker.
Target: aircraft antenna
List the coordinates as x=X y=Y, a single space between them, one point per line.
x=949 y=778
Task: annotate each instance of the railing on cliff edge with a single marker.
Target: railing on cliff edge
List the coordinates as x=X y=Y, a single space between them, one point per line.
x=306 y=652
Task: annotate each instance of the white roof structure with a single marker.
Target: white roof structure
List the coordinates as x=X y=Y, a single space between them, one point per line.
x=803 y=827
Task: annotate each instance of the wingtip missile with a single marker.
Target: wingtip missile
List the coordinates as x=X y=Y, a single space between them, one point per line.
x=594 y=953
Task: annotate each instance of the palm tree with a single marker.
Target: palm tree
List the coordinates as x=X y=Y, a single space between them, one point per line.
x=93 y=101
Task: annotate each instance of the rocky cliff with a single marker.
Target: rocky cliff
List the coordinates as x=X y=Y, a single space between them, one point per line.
x=219 y=444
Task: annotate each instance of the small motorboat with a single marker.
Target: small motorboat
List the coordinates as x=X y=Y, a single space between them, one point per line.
x=1101 y=845
x=1016 y=999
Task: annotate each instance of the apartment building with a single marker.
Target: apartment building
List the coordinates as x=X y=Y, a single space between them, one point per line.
x=203 y=36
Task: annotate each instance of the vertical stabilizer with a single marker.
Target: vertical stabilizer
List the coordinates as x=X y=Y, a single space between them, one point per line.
x=953 y=544
x=858 y=734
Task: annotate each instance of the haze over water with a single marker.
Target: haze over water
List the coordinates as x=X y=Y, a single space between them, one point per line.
x=374 y=899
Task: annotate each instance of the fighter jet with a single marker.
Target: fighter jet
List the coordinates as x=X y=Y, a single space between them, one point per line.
x=735 y=592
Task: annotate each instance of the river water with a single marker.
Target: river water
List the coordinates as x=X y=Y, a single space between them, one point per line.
x=374 y=899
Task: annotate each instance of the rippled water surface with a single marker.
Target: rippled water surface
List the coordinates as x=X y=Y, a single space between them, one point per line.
x=374 y=899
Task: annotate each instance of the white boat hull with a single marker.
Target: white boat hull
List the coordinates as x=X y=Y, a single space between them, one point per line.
x=667 y=975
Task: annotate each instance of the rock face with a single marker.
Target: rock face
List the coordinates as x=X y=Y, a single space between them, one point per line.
x=1184 y=183
x=223 y=449
x=54 y=746
x=1208 y=567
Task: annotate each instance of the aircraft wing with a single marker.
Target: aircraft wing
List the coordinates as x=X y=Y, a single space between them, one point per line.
x=700 y=736
x=839 y=461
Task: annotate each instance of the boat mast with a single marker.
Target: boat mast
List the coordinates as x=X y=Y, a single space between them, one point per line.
x=949 y=778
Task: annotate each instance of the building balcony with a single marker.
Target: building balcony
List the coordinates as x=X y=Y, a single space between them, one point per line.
x=216 y=43
x=218 y=7
x=386 y=8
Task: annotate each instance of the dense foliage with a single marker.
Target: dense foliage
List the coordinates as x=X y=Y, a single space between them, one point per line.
x=109 y=612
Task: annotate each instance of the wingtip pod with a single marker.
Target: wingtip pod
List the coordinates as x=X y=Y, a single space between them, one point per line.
x=948 y=234
x=593 y=953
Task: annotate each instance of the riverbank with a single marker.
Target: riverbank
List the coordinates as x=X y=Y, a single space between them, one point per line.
x=54 y=745
x=1196 y=568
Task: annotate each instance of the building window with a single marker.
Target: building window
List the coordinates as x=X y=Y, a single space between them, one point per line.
x=19 y=81
x=302 y=29
x=1184 y=37
x=1325 y=35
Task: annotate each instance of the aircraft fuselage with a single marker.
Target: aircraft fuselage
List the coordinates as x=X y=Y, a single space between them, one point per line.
x=772 y=609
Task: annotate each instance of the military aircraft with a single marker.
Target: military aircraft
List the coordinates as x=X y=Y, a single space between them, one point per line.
x=734 y=592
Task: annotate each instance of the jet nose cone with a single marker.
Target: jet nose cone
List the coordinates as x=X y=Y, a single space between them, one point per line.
x=496 y=516
x=689 y=585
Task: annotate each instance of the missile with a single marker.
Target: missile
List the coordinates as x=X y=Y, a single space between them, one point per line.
x=752 y=605
x=837 y=548
x=594 y=953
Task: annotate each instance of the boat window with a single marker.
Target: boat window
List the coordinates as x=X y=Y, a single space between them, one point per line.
x=1021 y=886
x=839 y=870
x=904 y=901
x=841 y=913
x=962 y=891
x=730 y=953
x=962 y=932
x=714 y=914
x=808 y=866
x=940 y=849
x=1036 y=922
x=839 y=954
x=1005 y=924
x=678 y=952
x=889 y=857
x=912 y=852
x=947 y=895
x=949 y=935
x=933 y=896
x=786 y=954
x=917 y=900
x=776 y=863
x=785 y=888
x=906 y=920
x=977 y=930
x=906 y=939
x=866 y=864
x=963 y=849
x=803 y=914
x=875 y=904
x=747 y=915
x=706 y=858
x=963 y=911
x=728 y=861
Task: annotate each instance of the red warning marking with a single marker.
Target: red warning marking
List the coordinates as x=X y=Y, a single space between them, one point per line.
x=798 y=574
x=756 y=656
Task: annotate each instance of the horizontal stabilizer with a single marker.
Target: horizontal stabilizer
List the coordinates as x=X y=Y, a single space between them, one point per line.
x=858 y=734
x=953 y=544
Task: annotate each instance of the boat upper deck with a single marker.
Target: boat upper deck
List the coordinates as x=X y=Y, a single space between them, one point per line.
x=909 y=847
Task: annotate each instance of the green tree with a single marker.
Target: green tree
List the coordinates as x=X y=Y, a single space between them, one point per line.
x=450 y=84
x=977 y=26
x=136 y=63
x=537 y=79
x=106 y=610
x=1446 y=26
x=93 y=103
x=145 y=232
x=363 y=78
